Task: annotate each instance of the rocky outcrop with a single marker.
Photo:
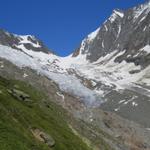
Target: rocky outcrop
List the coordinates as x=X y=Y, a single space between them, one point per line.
x=43 y=137
x=20 y=95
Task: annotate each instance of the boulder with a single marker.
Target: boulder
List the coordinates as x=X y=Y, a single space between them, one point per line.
x=20 y=95
x=43 y=137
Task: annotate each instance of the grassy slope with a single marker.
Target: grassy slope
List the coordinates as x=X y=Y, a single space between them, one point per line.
x=16 y=119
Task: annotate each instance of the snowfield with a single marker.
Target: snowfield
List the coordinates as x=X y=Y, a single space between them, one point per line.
x=41 y=62
x=104 y=70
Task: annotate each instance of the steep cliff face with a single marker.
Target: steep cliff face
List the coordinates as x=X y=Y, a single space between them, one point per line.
x=126 y=31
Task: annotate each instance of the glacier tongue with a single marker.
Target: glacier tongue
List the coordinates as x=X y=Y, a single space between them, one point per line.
x=41 y=63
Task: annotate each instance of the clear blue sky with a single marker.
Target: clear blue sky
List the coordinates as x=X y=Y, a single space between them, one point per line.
x=60 y=24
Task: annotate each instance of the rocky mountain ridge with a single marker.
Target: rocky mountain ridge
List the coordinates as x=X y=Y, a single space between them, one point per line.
x=126 y=30
x=21 y=42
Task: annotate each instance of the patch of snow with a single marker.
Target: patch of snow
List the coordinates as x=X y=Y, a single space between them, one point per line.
x=140 y=89
x=83 y=45
x=131 y=100
x=103 y=44
x=136 y=55
x=121 y=101
x=91 y=119
x=100 y=92
x=121 y=14
x=1 y=64
x=25 y=75
x=134 y=104
x=106 y=28
x=146 y=49
x=128 y=56
x=93 y=35
x=148 y=129
x=115 y=15
x=117 y=109
x=119 y=30
x=24 y=40
x=142 y=19
x=144 y=28
x=93 y=83
x=106 y=57
x=113 y=18
x=61 y=95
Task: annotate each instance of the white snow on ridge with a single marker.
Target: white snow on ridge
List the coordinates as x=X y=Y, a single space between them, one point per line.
x=121 y=14
x=24 y=40
x=115 y=14
x=113 y=17
x=92 y=35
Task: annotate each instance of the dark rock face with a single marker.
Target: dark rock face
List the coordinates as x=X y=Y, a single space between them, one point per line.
x=14 y=41
x=124 y=31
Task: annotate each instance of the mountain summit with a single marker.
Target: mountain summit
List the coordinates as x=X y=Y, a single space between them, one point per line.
x=126 y=31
